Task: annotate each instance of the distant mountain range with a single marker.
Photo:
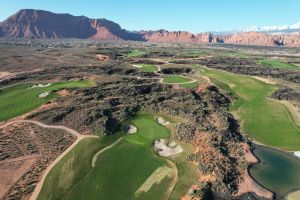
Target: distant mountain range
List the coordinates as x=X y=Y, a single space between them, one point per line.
x=273 y=30
x=294 y=28
x=29 y=23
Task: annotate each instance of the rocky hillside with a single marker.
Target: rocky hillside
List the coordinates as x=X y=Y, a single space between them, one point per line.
x=176 y=36
x=32 y=24
x=264 y=39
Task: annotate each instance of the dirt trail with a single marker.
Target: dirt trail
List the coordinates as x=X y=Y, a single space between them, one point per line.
x=78 y=136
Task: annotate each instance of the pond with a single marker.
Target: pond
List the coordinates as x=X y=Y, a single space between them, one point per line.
x=278 y=171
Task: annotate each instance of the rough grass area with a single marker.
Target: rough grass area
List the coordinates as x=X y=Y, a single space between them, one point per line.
x=175 y=79
x=267 y=121
x=279 y=64
x=135 y=53
x=119 y=171
x=148 y=67
x=19 y=99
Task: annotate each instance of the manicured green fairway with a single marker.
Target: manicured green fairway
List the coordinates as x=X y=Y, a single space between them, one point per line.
x=73 y=167
x=279 y=64
x=119 y=171
x=267 y=121
x=135 y=53
x=187 y=172
x=148 y=67
x=175 y=79
x=192 y=85
x=19 y=99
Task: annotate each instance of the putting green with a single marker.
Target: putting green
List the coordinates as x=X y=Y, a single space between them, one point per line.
x=119 y=171
x=267 y=121
x=279 y=64
x=148 y=67
x=175 y=79
x=19 y=99
x=135 y=53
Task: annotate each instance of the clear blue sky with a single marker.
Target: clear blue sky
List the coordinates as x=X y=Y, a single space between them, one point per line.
x=190 y=15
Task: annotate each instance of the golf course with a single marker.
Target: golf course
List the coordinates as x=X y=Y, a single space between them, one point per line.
x=278 y=171
x=192 y=85
x=148 y=67
x=128 y=169
x=175 y=79
x=279 y=64
x=135 y=53
x=19 y=99
x=265 y=120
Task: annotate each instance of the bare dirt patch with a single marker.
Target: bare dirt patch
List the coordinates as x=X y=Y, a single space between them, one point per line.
x=265 y=80
x=12 y=170
x=248 y=184
x=64 y=93
x=26 y=150
x=5 y=75
x=102 y=57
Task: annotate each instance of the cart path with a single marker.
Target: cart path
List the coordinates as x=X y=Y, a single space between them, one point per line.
x=78 y=136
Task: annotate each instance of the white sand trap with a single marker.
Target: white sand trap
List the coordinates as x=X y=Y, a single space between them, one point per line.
x=41 y=85
x=297 y=153
x=44 y=94
x=162 y=121
x=138 y=66
x=130 y=129
x=166 y=150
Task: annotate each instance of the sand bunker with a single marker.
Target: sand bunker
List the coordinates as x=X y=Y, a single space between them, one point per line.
x=130 y=129
x=44 y=94
x=138 y=66
x=169 y=149
x=41 y=85
x=297 y=153
x=102 y=57
x=162 y=121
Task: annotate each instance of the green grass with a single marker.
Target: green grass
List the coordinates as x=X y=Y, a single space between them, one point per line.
x=119 y=171
x=72 y=167
x=19 y=99
x=148 y=67
x=187 y=172
x=175 y=79
x=279 y=64
x=267 y=121
x=192 y=85
x=135 y=53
